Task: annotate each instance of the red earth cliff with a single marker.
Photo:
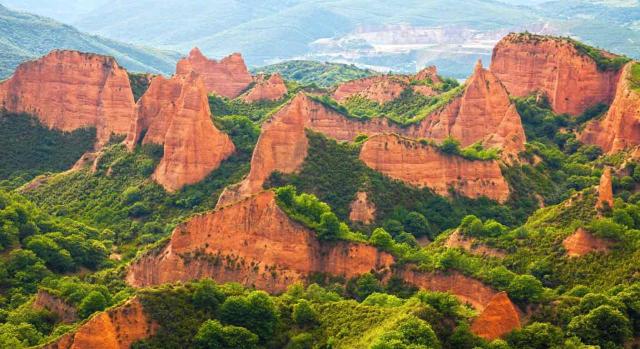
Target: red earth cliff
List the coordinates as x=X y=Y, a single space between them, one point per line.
x=498 y=318
x=255 y=243
x=175 y=113
x=271 y=89
x=361 y=209
x=116 y=328
x=620 y=128
x=470 y=244
x=582 y=242
x=605 y=190
x=527 y=63
x=66 y=313
x=68 y=90
x=424 y=165
x=483 y=114
x=228 y=77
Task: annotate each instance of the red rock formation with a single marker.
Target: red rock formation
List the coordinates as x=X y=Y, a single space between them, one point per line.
x=466 y=289
x=361 y=210
x=228 y=78
x=498 y=318
x=68 y=90
x=425 y=166
x=528 y=63
x=382 y=89
x=283 y=144
x=116 y=328
x=430 y=74
x=483 y=113
x=271 y=89
x=582 y=242
x=605 y=190
x=175 y=113
x=470 y=244
x=255 y=243
x=620 y=128
x=46 y=301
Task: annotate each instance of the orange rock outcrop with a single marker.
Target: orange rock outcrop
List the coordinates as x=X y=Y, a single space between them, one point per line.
x=255 y=243
x=271 y=89
x=470 y=244
x=228 y=77
x=498 y=318
x=362 y=210
x=528 y=63
x=68 y=90
x=483 y=114
x=429 y=73
x=424 y=165
x=46 y=301
x=116 y=328
x=581 y=242
x=605 y=190
x=620 y=128
x=382 y=89
x=175 y=114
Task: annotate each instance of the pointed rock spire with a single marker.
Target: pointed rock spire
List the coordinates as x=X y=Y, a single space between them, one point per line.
x=605 y=190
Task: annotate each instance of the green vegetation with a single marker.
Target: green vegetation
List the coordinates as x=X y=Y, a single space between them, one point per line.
x=28 y=148
x=635 y=76
x=139 y=84
x=316 y=73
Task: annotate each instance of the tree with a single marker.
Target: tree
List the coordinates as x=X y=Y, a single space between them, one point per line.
x=207 y=296
x=381 y=239
x=256 y=312
x=303 y=314
x=525 y=288
x=393 y=227
x=95 y=301
x=471 y=225
x=416 y=224
x=365 y=285
x=213 y=335
x=536 y=336
x=604 y=326
x=450 y=146
x=286 y=195
x=500 y=277
x=55 y=257
x=329 y=228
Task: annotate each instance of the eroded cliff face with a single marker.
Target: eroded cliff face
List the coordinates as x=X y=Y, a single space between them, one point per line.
x=361 y=209
x=271 y=89
x=175 y=114
x=228 y=77
x=605 y=190
x=423 y=165
x=581 y=242
x=471 y=245
x=46 y=301
x=116 y=328
x=527 y=63
x=620 y=128
x=68 y=90
x=498 y=318
x=483 y=114
x=252 y=242
x=283 y=145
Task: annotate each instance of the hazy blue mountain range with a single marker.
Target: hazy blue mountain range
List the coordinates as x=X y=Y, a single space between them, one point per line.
x=386 y=35
x=24 y=36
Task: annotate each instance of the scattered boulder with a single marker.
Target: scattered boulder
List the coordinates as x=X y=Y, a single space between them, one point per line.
x=423 y=165
x=499 y=317
x=69 y=90
x=573 y=82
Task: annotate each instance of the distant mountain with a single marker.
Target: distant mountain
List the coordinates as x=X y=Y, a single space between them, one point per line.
x=312 y=72
x=402 y=35
x=24 y=36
